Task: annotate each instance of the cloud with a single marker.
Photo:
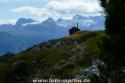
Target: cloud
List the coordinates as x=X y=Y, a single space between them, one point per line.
x=32 y=10
x=74 y=6
x=7 y=21
x=61 y=8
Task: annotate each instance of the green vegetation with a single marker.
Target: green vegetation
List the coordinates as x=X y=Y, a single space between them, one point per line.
x=65 y=58
x=113 y=46
x=61 y=62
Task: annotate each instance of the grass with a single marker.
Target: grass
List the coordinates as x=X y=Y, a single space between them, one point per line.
x=56 y=61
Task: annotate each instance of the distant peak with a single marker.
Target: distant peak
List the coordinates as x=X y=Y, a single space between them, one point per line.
x=59 y=19
x=23 y=21
x=49 y=20
x=78 y=17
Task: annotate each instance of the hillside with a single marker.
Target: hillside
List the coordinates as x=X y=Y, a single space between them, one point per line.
x=28 y=32
x=75 y=56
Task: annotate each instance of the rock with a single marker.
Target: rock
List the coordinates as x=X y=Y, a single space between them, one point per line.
x=57 y=45
x=36 y=48
x=97 y=62
x=90 y=71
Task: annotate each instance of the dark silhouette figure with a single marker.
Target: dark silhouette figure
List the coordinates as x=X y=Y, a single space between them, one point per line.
x=74 y=29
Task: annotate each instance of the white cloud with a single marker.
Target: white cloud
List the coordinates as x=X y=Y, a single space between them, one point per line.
x=75 y=6
x=62 y=8
x=7 y=21
x=41 y=12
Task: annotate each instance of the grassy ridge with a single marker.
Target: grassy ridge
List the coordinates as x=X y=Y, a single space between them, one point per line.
x=63 y=59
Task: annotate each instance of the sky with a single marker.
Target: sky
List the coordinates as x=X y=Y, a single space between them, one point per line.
x=11 y=10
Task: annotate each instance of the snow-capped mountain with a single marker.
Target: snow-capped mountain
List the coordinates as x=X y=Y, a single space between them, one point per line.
x=79 y=17
x=27 y=32
x=85 y=23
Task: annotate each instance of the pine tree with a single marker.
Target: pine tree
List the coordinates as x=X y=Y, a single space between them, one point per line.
x=115 y=29
x=115 y=16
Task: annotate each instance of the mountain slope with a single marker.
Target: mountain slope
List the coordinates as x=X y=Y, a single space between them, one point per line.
x=69 y=57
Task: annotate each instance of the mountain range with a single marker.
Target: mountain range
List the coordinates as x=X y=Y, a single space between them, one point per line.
x=28 y=32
